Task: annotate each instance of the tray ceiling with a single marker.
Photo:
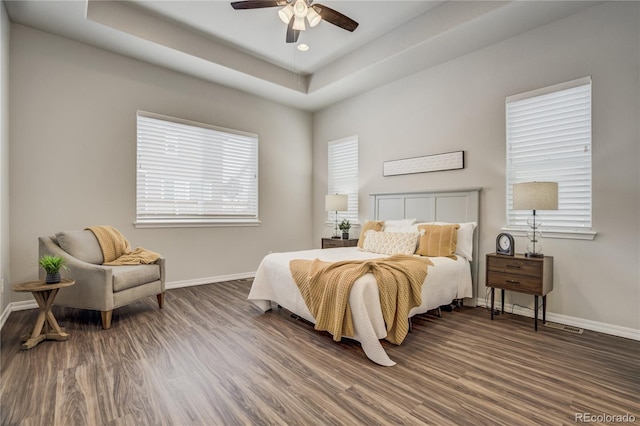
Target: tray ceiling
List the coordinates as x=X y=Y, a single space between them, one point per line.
x=247 y=50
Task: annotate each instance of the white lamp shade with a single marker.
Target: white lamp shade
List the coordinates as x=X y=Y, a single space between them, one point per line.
x=286 y=13
x=313 y=17
x=336 y=202
x=300 y=8
x=298 y=24
x=535 y=196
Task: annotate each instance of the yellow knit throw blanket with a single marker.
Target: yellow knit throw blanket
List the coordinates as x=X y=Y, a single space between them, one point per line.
x=116 y=249
x=325 y=288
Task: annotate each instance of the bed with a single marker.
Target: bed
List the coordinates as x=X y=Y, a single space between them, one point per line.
x=447 y=279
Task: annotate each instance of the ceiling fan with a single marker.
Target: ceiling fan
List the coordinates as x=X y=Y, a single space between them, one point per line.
x=294 y=12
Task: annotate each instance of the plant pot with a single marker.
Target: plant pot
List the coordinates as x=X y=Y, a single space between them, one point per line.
x=52 y=278
x=345 y=235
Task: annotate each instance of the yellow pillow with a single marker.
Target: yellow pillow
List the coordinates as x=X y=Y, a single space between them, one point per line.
x=375 y=225
x=438 y=240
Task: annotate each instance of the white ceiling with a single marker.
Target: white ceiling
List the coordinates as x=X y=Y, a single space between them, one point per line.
x=246 y=49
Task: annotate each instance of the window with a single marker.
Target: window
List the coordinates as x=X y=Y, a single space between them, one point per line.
x=191 y=173
x=343 y=175
x=549 y=139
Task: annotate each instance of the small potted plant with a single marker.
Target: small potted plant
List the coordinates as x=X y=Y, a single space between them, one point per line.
x=52 y=266
x=344 y=227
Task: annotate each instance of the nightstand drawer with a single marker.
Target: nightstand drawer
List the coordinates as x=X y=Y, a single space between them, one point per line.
x=327 y=243
x=513 y=265
x=514 y=282
x=338 y=242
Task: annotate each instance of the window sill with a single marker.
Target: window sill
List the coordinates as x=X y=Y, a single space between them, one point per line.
x=564 y=234
x=198 y=224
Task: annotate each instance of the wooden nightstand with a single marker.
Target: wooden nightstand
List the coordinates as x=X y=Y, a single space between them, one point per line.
x=338 y=242
x=531 y=275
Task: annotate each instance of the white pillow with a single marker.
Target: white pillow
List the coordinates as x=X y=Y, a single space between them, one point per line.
x=464 y=246
x=390 y=242
x=399 y=225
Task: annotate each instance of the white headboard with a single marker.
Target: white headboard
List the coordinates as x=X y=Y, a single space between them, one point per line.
x=454 y=205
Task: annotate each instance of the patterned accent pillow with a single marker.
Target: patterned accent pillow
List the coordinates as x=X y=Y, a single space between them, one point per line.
x=375 y=225
x=438 y=240
x=391 y=242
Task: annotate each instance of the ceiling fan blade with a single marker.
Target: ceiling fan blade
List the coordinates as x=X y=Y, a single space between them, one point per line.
x=334 y=17
x=292 y=35
x=257 y=4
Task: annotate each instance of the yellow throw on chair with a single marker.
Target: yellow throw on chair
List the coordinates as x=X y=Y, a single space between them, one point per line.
x=116 y=250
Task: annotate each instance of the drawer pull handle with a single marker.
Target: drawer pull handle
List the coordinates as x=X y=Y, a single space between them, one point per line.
x=512 y=282
x=513 y=266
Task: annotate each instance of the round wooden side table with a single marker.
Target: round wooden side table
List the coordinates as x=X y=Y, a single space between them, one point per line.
x=44 y=294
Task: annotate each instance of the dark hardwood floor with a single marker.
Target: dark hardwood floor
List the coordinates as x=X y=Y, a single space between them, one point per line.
x=210 y=358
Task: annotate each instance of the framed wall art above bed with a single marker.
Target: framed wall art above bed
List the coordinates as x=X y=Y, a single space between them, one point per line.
x=424 y=164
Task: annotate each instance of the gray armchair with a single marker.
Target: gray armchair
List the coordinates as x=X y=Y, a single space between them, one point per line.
x=100 y=288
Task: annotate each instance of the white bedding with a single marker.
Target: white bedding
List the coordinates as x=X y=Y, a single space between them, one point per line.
x=446 y=280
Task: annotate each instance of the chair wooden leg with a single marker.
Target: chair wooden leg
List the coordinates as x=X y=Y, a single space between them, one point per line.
x=160 y=297
x=106 y=319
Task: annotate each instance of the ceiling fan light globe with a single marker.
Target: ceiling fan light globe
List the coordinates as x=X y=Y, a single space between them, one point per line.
x=286 y=13
x=313 y=17
x=298 y=24
x=300 y=8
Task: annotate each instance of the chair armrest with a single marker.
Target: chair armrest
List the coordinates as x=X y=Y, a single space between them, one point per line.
x=94 y=283
x=161 y=263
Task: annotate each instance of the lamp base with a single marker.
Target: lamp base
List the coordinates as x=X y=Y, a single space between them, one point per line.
x=533 y=254
x=336 y=237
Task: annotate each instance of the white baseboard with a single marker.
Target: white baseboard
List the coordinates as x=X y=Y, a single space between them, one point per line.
x=16 y=306
x=210 y=280
x=600 y=327
x=5 y=315
x=23 y=305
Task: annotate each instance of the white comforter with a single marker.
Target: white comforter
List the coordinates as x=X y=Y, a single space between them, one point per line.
x=446 y=280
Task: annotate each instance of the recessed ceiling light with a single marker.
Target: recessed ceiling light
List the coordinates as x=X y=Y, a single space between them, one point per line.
x=303 y=47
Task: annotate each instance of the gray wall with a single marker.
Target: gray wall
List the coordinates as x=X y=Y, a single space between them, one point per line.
x=4 y=159
x=459 y=105
x=73 y=148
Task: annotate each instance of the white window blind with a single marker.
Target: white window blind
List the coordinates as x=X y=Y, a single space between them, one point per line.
x=343 y=175
x=549 y=139
x=194 y=173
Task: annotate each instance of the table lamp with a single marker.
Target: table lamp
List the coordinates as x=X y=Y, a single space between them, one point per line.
x=535 y=196
x=336 y=203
